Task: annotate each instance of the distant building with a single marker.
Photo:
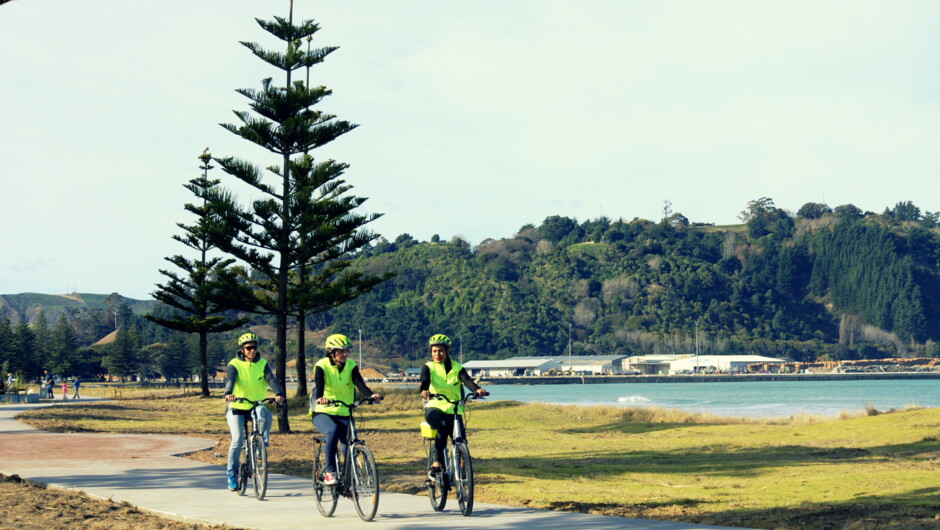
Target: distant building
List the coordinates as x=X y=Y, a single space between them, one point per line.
x=721 y=363
x=651 y=364
x=586 y=364
x=518 y=367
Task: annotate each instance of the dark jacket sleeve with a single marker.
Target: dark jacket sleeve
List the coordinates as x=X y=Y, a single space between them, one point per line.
x=230 y=374
x=425 y=379
x=318 y=382
x=273 y=384
x=467 y=380
x=360 y=383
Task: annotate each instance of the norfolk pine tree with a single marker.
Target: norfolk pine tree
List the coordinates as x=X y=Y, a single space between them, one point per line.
x=209 y=287
x=300 y=235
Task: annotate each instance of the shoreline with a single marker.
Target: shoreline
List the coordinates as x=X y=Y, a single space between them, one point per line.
x=718 y=378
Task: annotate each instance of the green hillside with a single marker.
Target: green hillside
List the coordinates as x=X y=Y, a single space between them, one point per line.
x=837 y=284
x=28 y=306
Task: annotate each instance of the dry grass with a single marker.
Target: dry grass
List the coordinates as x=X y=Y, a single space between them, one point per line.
x=641 y=462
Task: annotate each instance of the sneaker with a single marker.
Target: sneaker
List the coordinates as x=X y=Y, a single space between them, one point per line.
x=232 y=483
x=329 y=478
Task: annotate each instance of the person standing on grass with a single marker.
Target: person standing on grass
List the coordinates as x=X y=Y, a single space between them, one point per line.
x=335 y=377
x=65 y=388
x=247 y=376
x=76 y=383
x=447 y=378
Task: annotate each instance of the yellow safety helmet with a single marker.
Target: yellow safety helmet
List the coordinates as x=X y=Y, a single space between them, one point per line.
x=246 y=338
x=337 y=342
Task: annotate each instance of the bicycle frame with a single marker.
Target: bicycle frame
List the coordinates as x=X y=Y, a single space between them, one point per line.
x=348 y=469
x=254 y=449
x=457 y=469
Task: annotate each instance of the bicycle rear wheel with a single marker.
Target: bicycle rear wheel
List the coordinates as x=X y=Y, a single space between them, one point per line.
x=365 y=486
x=463 y=476
x=437 y=493
x=326 y=496
x=244 y=467
x=259 y=465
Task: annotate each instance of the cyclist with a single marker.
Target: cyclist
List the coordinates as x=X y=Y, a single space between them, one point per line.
x=247 y=376
x=443 y=376
x=335 y=377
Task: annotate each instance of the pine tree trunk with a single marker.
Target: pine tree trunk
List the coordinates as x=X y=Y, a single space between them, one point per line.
x=203 y=362
x=301 y=355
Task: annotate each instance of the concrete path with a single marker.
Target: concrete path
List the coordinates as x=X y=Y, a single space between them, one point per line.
x=141 y=470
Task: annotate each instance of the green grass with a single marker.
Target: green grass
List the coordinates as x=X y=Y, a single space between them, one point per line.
x=653 y=463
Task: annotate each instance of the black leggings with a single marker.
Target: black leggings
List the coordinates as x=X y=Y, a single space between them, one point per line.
x=443 y=423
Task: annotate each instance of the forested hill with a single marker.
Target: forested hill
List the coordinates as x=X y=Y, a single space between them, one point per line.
x=821 y=283
x=91 y=315
x=833 y=283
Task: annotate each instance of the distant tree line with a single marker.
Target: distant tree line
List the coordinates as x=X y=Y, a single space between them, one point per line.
x=833 y=283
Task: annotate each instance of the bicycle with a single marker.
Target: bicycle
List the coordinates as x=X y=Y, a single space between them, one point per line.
x=457 y=468
x=357 y=476
x=253 y=461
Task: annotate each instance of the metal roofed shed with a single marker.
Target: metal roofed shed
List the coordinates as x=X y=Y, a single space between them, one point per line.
x=720 y=363
x=528 y=366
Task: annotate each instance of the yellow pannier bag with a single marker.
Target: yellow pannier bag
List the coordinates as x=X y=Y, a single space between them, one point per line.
x=427 y=431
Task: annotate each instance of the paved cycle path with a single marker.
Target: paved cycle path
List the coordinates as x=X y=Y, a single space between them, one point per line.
x=143 y=471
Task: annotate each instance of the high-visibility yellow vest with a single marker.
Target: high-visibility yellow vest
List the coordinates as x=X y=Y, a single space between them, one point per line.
x=446 y=384
x=336 y=385
x=249 y=382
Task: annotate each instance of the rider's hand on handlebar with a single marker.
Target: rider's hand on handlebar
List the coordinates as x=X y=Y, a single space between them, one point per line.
x=377 y=398
x=323 y=401
x=230 y=397
x=279 y=400
x=424 y=394
x=481 y=392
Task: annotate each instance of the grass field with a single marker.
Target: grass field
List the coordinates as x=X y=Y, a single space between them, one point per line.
x=870 y=471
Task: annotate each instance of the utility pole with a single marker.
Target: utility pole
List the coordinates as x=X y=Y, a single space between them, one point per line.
x=570 y=366
x=360 y=349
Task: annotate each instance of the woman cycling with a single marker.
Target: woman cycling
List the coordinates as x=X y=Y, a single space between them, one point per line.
x=247 y=376
x=335 y=377
x=443 y=376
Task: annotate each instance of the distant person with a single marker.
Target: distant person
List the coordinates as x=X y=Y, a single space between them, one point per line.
x=76 y=384
x=443 y=376
x=10 y=380
x=335 y=378
x=47 y=382
x=247 y=376
x=65 y=388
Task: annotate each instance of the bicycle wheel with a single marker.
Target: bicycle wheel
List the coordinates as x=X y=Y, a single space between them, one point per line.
x=244 y=467
x=326 y=496
x=437 y=493
x=463 y=476
x=259 y=465
x=365 y=486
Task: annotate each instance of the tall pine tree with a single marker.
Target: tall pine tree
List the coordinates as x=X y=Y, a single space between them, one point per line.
x=305 y=220
x=209 y=288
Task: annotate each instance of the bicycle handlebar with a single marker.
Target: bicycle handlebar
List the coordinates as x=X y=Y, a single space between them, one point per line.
x=256 y=403
x=365 y=400
x=463 y=401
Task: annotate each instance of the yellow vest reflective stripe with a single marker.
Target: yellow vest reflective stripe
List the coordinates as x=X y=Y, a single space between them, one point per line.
x=249 y=382
x=446 y=384
x=336 y=385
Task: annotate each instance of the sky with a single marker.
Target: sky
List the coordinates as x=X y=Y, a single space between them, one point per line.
x=475 y=118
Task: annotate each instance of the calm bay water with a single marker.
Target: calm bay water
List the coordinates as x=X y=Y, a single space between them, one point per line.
x=752 y=399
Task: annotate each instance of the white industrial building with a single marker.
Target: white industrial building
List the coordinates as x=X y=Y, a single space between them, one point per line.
x=719 y=363
x=650 y=364
x=518 y=367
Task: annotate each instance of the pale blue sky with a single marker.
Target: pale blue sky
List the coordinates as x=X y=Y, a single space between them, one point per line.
x=476 y=117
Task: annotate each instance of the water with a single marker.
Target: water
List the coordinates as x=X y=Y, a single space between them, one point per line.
x=751 y=399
